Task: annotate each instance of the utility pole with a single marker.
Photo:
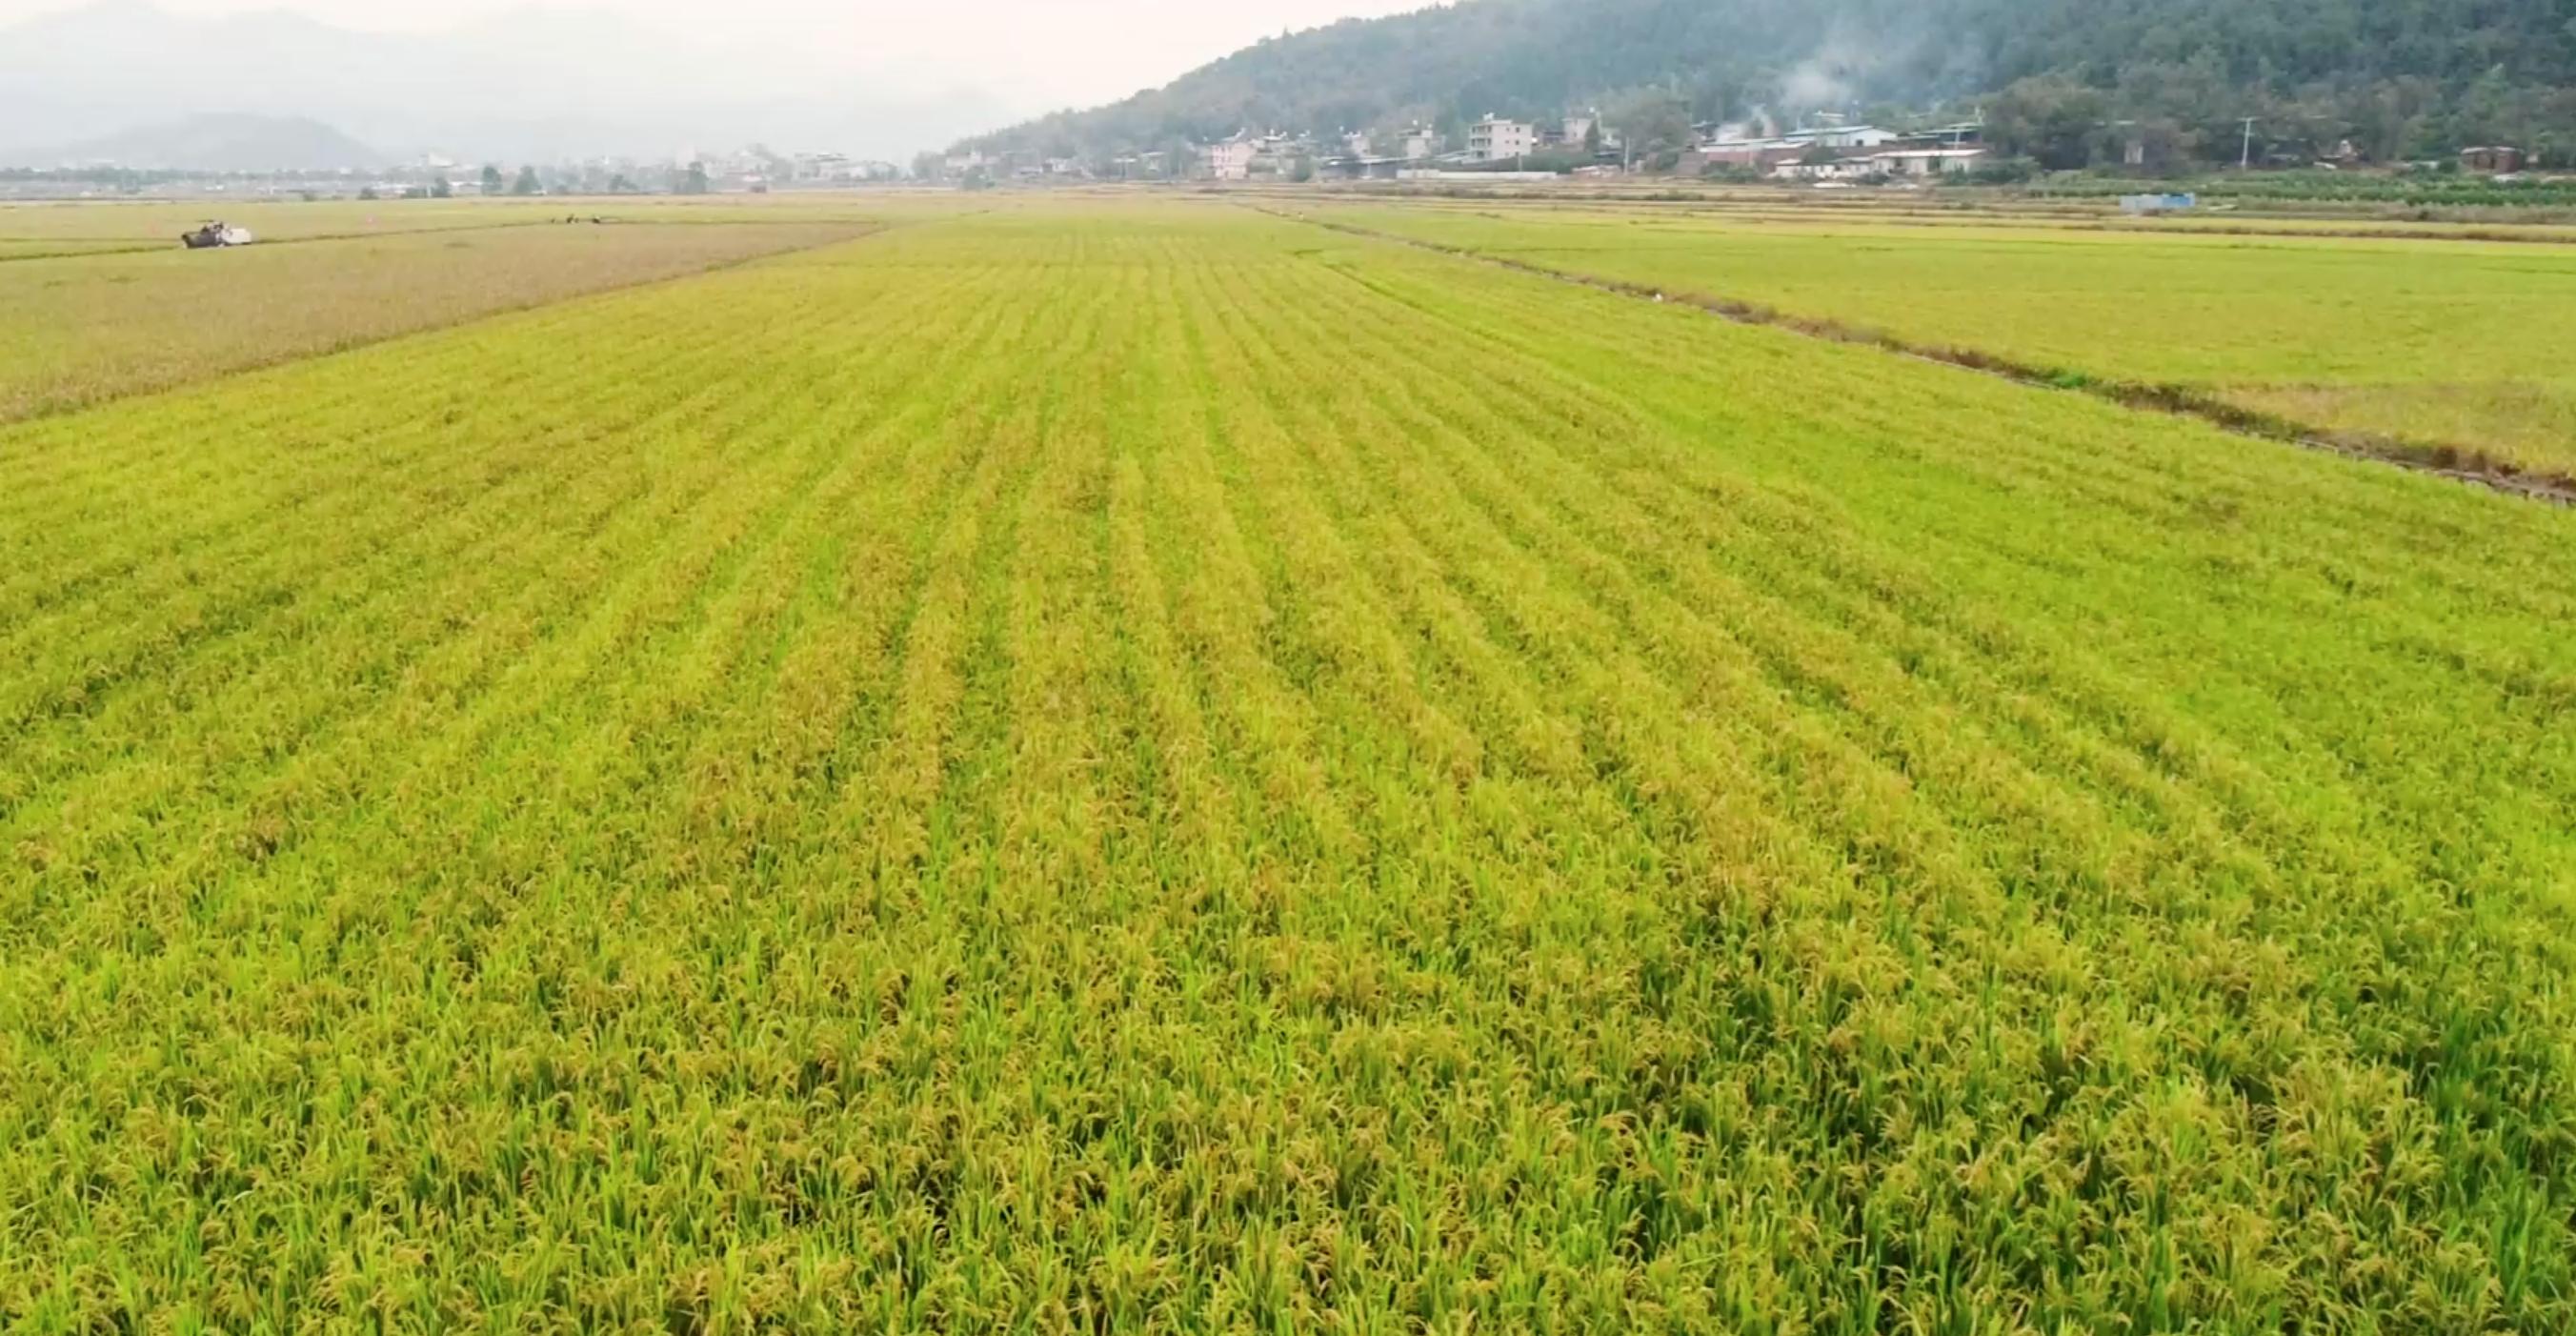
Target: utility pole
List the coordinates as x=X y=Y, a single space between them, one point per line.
x=2245 y=160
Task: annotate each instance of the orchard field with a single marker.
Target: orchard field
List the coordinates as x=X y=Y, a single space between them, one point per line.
x=2442 y=341
x=1132 y=765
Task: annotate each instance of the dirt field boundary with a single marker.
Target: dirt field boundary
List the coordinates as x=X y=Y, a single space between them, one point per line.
x=2461 y=463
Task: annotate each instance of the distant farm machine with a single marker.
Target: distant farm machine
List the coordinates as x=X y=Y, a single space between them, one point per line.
x=214 y=235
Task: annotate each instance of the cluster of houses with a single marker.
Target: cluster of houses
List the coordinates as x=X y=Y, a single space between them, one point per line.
x=1415 y=150
x=838 y=169
x=1829 y=150
x=1832 y=151
x=1349 y=155
x=756 y=168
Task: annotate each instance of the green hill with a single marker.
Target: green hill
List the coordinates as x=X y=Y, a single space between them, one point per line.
x=2398 y=77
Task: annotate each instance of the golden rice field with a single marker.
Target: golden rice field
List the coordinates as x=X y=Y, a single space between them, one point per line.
x=79 y=329
x=157 y=223
x=2432 y=342
x=1130 y=766
x=40 y=248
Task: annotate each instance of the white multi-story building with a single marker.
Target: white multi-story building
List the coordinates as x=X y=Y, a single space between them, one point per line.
x=1232 y=159
x=1493 y=139
x=1422 y=143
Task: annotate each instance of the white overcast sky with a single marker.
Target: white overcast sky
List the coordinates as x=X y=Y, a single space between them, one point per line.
x=1034 y=52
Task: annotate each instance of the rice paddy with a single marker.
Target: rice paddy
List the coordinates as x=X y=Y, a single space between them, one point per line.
x=78 y=329
x=1145 y=766
x=2435 y=342
x=158 y=223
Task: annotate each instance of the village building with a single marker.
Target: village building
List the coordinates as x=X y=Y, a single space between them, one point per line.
x=1578 y=130
x=1494 y=139
x=1929 y=161
x=1231 y=160
x=1843 y=136
x=1897 y=164
x=1853 y=168
x=1757 y=154
x=2500 y=159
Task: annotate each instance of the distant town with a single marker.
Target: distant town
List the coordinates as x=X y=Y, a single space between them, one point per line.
x=1824 y=149
x=750 y=170
x=1824 y=146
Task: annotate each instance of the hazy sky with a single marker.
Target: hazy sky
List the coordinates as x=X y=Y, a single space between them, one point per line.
x=1032 y=52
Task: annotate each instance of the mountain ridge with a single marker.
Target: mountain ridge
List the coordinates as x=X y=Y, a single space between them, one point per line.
x=222 y=142
x=2396 y=76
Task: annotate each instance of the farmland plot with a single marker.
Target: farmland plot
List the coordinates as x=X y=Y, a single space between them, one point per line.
x=158 y=223
x=75 y=330
x=2434 y=342
x=1157 y=767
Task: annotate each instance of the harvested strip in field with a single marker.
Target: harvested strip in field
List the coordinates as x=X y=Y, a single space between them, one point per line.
x=45 y=248
x=2378 y=329
x=159 y=222
x=1123 y=766
x=76 y=330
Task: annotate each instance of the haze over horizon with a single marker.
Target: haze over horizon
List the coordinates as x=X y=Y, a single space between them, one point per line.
x=610 y=75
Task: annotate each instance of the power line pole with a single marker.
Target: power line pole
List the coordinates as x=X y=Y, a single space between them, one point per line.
x=2245 y=160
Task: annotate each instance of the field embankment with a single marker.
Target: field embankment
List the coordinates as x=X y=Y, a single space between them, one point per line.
x=1143 y=766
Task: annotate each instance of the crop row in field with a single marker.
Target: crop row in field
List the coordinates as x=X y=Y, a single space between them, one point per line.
x=80 y=329
x=2444 y=343
x=1156 y=767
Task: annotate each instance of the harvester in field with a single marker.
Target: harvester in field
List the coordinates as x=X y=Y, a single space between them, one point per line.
x=213 y=235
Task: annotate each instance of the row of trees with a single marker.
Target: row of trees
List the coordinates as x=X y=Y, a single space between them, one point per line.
x=591 y=180
x=690 y=180
x=2175 y=118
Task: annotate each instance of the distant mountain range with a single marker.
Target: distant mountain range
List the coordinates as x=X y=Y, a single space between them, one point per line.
x=2396 y=76
x=537 y=83
x=223 y=142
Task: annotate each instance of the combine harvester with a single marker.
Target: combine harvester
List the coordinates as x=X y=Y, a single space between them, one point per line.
x=213 y=235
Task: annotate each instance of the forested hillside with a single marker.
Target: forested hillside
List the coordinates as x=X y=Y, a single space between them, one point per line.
x=2397 y=77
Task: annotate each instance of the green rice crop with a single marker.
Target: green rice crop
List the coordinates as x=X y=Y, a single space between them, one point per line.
x=1151 y=767
x=2439 y=343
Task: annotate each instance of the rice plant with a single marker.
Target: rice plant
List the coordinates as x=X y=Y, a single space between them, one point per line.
x=1148 y=767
